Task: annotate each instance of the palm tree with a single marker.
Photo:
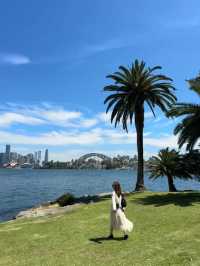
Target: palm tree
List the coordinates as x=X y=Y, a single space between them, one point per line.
x=191 y=162
x=195 y=84
x=132 y=88
x=188 y=130
x=172 y=164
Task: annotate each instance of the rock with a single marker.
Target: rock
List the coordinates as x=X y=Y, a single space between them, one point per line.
x=55 y=207
x=65 y=199
x=42 y=211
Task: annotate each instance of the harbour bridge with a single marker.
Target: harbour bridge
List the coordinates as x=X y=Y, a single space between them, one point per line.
x=89 y=155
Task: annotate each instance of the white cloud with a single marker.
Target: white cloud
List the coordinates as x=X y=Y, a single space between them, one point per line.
x=94 y=136
x=58 y=115
x=88 y=122
x=147 y=134
x=110 y=136
x=104 y=117
x=107 y=45
x=66 y=155
x=164 y=134
x=53 y=138
x=46 y=114
x=14 y=59
x=162 y=142
x=148 y=115
x=148 y=154
x=7 y=119
x=117 y=137
x=73 y=129
x=166 y=123
x=158 y=119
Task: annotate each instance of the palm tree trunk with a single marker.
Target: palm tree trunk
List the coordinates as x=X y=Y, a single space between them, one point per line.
x=171 y=185
x=139 y=124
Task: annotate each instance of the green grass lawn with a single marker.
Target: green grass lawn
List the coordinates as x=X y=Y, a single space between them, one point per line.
x=166 y=232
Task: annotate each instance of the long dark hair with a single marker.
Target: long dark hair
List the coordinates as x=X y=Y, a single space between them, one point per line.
x=117 y=188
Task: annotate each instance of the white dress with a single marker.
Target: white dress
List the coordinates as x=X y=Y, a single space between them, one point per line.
x=118 y=218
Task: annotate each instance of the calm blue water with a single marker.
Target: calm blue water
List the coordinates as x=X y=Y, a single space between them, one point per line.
x=24 y=188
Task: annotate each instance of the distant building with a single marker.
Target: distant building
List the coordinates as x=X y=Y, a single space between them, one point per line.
x=13 y=156
x=7 y=154
x=9 y=158
x=35 y=157
x=30 y=158
x=2 y=158
x=39 y=155
x=46 y=156
x=21 y=159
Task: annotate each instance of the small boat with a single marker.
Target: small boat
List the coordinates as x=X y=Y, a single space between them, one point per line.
x=11 y=165
x=26 y=165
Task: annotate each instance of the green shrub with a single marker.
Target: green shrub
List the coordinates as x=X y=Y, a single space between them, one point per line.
x=66 y=199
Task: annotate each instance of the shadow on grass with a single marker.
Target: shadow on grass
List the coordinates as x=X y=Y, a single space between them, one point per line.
x=99 y=240
x=178 y=199
x=84 y=199
x=94 y=198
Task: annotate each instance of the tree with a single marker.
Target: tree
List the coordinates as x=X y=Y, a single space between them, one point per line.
x=172 y=164
x=191 y=162
x=133 y=88
x=188 y=130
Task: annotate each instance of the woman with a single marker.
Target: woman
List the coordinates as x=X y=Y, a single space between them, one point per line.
x=118 y=218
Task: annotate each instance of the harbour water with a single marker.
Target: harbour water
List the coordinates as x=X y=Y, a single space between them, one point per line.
x=23 y=188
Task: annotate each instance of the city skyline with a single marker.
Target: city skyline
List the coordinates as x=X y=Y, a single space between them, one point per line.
x=39 y=159
x=35 y=158
x=38 y=155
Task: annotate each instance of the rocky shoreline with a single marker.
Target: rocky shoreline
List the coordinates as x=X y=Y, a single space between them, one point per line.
x=53 y=208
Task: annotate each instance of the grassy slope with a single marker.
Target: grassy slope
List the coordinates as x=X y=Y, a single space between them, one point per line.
x=167 y=232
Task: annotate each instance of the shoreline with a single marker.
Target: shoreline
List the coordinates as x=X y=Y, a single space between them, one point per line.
x=50 y=208
x=53 y=208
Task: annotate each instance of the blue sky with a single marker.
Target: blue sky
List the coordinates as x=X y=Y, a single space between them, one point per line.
x=54 y=56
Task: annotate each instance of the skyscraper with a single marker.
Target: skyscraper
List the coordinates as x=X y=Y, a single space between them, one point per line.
x=35 y=157
x=39 y=154
x=46 y=156
x=2 y=155
x=7 y=154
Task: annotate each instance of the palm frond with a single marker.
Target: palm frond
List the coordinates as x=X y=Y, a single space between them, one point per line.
x=133 y=87
x=194 y=84
x=171 y=162
x=180 y=109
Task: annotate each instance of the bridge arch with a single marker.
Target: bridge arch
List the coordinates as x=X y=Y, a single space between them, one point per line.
x=89 y=155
